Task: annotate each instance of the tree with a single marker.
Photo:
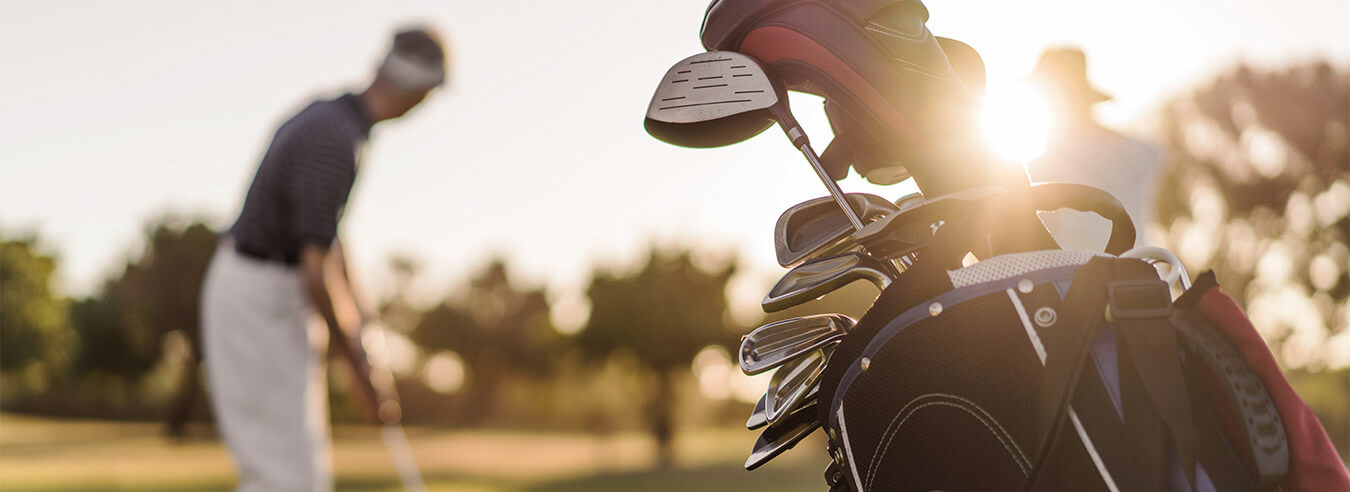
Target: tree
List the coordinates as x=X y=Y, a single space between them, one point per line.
x=34 y=325
x=1258 y=189
x=497 y=329
x=122 y=329
x=663 y=314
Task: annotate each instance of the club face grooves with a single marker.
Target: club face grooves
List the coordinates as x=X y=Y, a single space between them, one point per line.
x=710 y=100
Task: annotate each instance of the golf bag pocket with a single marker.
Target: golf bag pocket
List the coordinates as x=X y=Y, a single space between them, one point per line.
x=1056 y=370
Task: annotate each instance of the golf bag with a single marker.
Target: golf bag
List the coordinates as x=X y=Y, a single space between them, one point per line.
x=1061 y=370
x=1032 y=369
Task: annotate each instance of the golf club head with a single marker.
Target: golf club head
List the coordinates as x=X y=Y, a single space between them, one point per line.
x=712 y=99
x=781 y=437
x=777 y=343
x=760 y=418
x=911 y=227
x=821 y=276
x=791 y=383
x=818 y=226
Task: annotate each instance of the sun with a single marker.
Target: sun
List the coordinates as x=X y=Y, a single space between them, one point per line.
x=1016 y=122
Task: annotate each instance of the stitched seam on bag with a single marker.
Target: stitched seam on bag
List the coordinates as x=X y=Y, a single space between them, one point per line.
x=1002 y=435
x=895 y=33
x=874 y=468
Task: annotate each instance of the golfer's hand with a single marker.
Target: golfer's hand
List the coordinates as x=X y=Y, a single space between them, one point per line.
x=362 y=390
x=374 y=387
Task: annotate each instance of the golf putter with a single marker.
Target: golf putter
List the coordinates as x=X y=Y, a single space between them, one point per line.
x=821 y=276
x=723 y=97
x=760 y=418
x=818 y=227
x=776 y=343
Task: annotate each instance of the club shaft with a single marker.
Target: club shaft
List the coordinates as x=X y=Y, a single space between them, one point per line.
x=832 y=186
x=401 y=452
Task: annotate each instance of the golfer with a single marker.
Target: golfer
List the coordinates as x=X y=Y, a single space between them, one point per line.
x=281 y=264
x=1083 y=151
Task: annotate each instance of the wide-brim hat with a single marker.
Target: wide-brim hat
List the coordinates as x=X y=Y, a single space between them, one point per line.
x=1065 y=69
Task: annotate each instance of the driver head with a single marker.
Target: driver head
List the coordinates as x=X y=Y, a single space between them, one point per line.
x=712 y=99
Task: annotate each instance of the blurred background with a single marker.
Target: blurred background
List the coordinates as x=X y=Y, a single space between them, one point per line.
x=563 y=289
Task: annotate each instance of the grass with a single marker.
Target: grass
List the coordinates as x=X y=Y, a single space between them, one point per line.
x=40 y=454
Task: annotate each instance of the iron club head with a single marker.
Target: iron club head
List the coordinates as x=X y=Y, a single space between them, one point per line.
x=816 y=227
x=821 y=276
x=760 y=417
x=781 y=437
x=777 y=343
x=791 y=383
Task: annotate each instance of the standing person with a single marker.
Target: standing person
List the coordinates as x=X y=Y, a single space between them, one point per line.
x=1081 y=150
x=281 y=263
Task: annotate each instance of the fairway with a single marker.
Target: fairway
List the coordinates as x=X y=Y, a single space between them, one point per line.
x=43 y=454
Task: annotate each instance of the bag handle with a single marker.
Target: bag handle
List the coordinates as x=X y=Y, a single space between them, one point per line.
x=1004 y=223
x=1047 y=197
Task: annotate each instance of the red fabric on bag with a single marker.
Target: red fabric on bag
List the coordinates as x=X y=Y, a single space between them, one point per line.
x=1314 y=464
x=774 y=44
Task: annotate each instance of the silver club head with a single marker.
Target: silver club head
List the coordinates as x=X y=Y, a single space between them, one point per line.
x=760 y=417
x=712 y=99
x=723 y=97
x=793 y=381
x=776 y=343
x=781 y=437
x=818 y=226
x=821 y=276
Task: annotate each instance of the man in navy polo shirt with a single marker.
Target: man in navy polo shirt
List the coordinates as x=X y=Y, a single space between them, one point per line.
x=281 y=263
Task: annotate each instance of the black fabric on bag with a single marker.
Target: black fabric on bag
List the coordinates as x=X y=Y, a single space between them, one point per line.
x=921 y=282
x=953 y=392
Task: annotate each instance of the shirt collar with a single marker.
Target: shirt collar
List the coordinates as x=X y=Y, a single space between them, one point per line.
x=362 y=113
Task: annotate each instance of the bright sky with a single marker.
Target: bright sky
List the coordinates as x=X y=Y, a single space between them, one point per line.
x=118 y=112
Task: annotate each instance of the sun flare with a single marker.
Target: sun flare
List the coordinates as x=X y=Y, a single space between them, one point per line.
x=1016 y=122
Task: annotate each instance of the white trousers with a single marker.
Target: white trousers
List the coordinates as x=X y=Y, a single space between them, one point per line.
x=265 y=373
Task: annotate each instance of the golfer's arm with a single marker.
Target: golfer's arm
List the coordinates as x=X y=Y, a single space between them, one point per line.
x=318 y=278
x=363 y=307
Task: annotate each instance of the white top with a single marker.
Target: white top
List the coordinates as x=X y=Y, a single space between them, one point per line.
x=1126 y=168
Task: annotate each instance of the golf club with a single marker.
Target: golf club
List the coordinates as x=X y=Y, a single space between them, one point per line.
x=723 y=97
x=781 y=437
x=912 y=227
x=759 y=418
x=821 y=276
x=793 y=381
x=818 y=227
x=777 y=343
x=400 y=450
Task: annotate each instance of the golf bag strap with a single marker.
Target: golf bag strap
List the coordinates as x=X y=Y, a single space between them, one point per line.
x=1084 y=306
x=1140 y=305
x=1128 y=293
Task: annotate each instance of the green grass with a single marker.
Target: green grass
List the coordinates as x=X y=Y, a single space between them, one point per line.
x=38 y=454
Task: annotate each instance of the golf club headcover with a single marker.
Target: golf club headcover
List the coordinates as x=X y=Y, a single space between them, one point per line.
x=877 y=61
x=880 y=164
